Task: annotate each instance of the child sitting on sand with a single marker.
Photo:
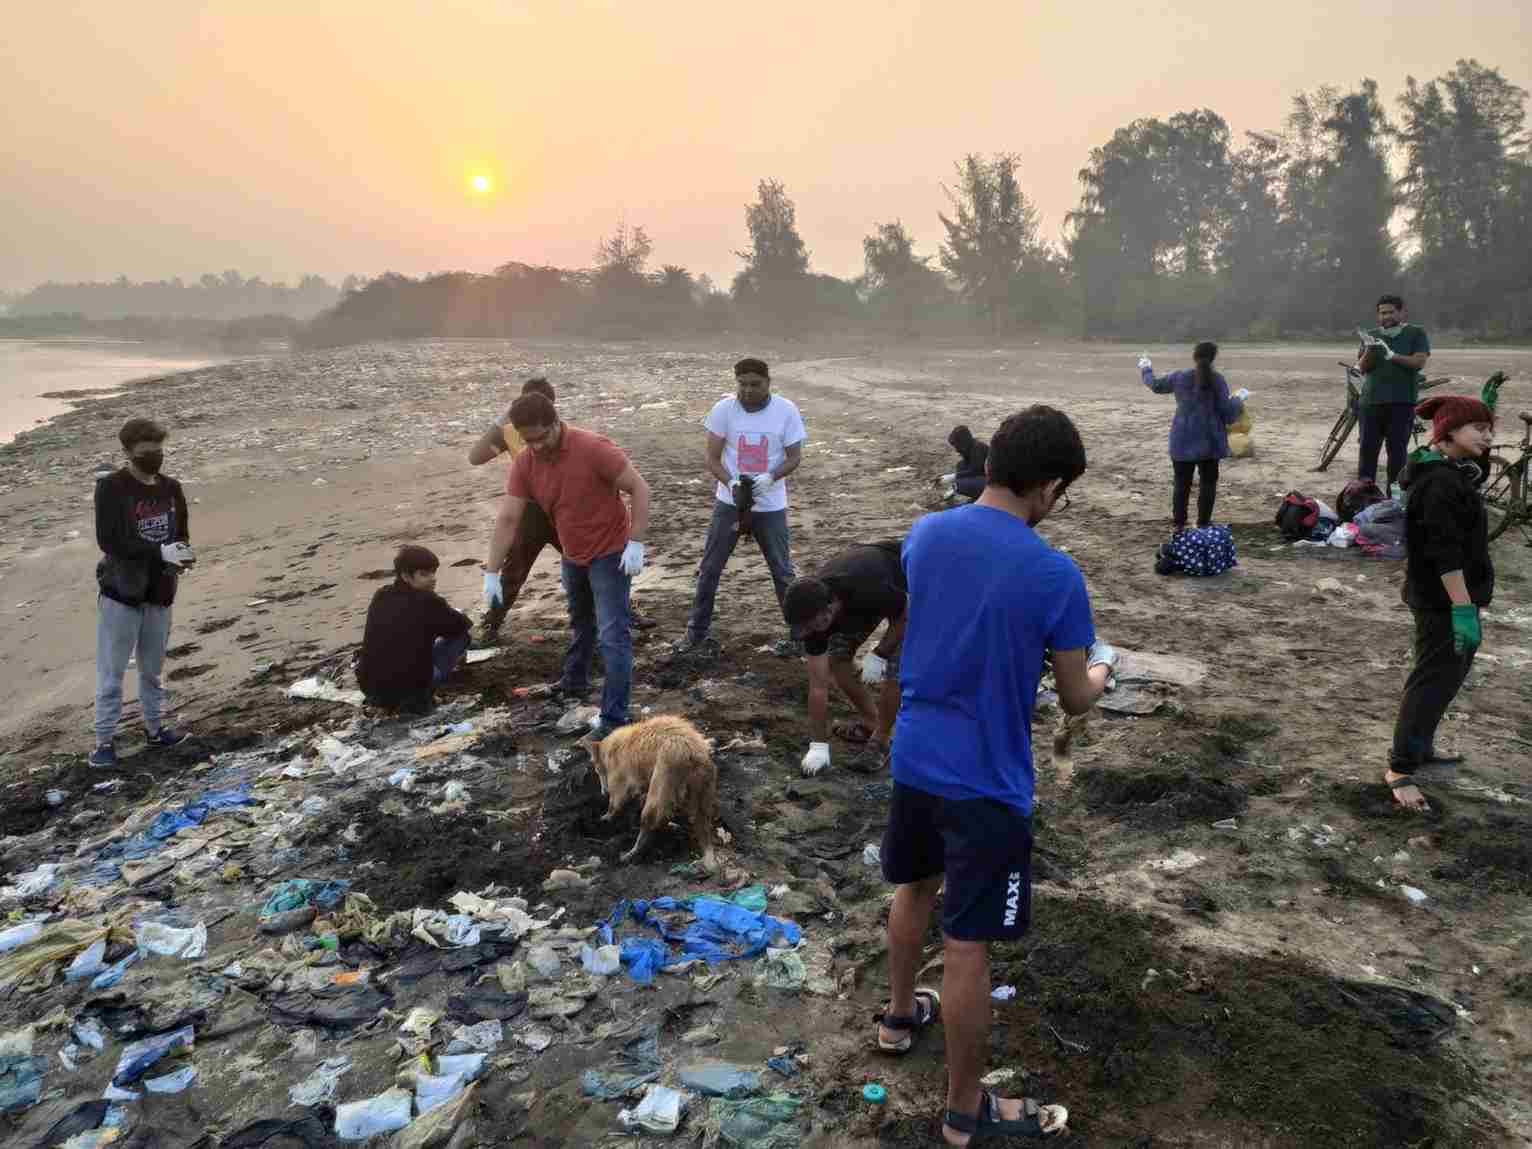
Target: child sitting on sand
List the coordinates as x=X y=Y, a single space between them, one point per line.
x=413 y=639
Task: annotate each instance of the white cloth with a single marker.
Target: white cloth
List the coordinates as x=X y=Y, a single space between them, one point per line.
x=874 y=667
x=492 y=592
x=756 y=442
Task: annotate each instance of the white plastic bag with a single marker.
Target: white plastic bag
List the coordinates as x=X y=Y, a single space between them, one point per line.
x=385 y=1113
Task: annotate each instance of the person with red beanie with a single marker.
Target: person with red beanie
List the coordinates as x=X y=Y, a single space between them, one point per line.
x=1448 y=579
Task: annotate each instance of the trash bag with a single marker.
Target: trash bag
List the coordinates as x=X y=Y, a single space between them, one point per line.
x=296 y=893
x=720 y=1079
x=485 y=1003
x=1201 y=553
x=755 y=1122
x=344 y=1010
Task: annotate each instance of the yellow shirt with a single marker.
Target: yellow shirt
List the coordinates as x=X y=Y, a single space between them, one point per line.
x=512 y=439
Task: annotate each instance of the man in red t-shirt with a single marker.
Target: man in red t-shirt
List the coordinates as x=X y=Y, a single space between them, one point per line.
x=578 y=478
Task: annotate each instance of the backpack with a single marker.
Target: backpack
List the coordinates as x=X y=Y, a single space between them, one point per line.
x=1297 y=516
x=1356 y=495
x=1203 y=552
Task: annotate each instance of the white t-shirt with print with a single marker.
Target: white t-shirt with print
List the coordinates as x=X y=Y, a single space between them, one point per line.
x=756 y=442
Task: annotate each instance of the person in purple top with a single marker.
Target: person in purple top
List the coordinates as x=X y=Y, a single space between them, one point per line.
x=1199 y=433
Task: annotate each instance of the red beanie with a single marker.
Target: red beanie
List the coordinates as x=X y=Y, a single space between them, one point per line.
x=1449 y=412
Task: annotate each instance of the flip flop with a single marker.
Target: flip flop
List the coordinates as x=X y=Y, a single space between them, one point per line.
x=1036 y=1120
x=1408 y=780
x=854 y=732
x=928 y=1010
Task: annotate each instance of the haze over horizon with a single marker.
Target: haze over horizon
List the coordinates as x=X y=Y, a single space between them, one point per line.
x=172 y=139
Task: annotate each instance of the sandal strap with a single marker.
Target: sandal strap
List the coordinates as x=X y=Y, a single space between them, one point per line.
x=925 y=1012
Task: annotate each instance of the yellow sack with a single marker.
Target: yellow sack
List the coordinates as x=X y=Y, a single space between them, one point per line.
x=1240 y=446
x=1242 y=425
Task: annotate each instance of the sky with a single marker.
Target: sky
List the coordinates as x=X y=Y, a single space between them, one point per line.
x=165 y=138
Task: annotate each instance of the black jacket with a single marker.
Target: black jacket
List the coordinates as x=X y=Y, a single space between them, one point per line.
x=1446 y=529
x=973 y=460
x=132 y=521
x=402 y=625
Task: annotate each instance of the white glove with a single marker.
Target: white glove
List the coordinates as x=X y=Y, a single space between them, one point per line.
x=950 y=478
x=1242 y=394
x=762 y=483
x=632 y=560
x=816 y=759
x=874 y=667
x=1388 y=352
x=492 y=592
x=1144 y=363
x=1102 y=654
x=176 y=553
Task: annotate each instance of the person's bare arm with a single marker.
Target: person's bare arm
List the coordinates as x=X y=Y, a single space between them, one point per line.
x=631 y=483
x=1456 y=588
x=714 y=460
x=893 y=637
x=1078 y=687
x=490 y=444
x=792 y=457
x=819 y=697
x=504 y=534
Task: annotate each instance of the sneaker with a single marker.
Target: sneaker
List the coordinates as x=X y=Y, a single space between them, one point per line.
x=103 y=757
x=603 y=728
x=692 y=647
x=788 y=648
x=167 y=736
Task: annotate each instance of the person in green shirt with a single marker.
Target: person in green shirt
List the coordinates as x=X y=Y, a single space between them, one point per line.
x=1392 y=356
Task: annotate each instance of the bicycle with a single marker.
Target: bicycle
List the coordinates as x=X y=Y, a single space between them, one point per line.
x=1347 y=421
x=1505 y=496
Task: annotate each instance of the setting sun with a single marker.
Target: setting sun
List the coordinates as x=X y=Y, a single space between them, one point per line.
x=480 y=184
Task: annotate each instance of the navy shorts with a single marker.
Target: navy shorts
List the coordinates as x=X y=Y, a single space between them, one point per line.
x=983 y=847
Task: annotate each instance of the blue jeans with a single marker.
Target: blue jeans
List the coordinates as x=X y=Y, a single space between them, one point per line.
x=598 y=612
x=771 y=535
x=120 y=632
x=445 y=653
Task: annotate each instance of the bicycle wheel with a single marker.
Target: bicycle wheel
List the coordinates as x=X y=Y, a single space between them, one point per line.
x=1505 y=498
x=1338 y=436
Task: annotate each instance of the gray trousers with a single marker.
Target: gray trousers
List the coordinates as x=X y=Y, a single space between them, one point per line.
x=771 y=535
x=121 y=630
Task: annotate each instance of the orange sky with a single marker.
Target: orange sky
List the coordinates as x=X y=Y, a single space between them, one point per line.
x=159 y=138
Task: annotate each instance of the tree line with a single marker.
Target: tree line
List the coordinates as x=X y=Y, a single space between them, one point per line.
x=229 y=296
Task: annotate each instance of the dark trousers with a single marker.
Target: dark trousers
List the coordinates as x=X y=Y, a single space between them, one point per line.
x=1207 y=489
x=1382 y=423
x=971 y=486
x=1434 y=682
x=598 y=612
x=533 y=533
x=445 y=653
x=771 y=534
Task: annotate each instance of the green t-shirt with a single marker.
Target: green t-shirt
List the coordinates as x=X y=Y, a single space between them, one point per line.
x=1391 y=382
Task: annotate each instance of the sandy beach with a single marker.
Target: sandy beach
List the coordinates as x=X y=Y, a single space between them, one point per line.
x=1266 y=982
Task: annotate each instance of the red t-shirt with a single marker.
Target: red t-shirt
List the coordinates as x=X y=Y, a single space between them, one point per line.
x=577 y=488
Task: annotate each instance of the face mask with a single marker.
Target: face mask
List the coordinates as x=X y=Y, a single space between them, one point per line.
x=149 y=462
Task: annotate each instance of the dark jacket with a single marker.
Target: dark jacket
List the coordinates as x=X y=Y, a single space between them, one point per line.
x=133 y=520
x=1446 y=529
x=1200 y=429
x=973 y=460
x=402 y=625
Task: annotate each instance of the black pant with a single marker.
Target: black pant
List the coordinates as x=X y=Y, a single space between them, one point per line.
x=1434 y=682
x=1207 y=489
x=1390 y=422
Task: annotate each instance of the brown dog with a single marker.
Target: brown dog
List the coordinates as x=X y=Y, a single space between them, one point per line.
x=668 y=760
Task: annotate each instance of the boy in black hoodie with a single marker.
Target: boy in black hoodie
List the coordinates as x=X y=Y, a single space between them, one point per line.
x=413 y=639
x=968 y=480
x=1448 y=578
x=144 y=536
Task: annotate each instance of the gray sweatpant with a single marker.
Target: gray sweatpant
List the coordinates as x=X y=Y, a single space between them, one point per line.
x=120 y=630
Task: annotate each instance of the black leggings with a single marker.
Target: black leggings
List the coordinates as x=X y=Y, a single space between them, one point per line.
x=1207 y=489
x=1434 y=682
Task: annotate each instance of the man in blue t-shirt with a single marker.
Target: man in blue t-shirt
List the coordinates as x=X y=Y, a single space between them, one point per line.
x=962 y=749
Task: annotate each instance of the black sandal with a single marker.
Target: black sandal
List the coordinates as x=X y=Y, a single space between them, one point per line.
x=1411 y=779
x=928 y=1010
x=989 y=1123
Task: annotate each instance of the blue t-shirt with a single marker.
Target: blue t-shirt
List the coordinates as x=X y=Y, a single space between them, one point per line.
x=987 y=596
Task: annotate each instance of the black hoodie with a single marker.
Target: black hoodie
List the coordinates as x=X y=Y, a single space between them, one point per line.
x=1446 y=529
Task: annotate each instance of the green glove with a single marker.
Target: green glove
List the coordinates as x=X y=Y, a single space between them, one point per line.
x=1465 y=629
x=1490 y=395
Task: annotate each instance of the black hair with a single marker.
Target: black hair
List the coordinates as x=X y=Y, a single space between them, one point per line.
x=539 y=385
x=1396 y=300
x=412 y=559
x=140 y=431
x=1203 y=355
x=534 y=410
x=960 y=438
x=805 y=598
x=1034 y=447
x=752 y=367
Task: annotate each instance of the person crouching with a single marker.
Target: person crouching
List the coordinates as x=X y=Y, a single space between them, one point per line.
x=413 y=639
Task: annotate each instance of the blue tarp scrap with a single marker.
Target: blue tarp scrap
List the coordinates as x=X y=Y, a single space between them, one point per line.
x=718 y=932
x=168 y=823
x=295 y=892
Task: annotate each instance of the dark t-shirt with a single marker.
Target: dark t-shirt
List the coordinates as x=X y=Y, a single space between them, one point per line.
x=868 y=580
x=402 y=625
x=1390 y=382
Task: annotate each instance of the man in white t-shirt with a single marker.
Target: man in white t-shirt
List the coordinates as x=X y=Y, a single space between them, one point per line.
x=757 y=434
